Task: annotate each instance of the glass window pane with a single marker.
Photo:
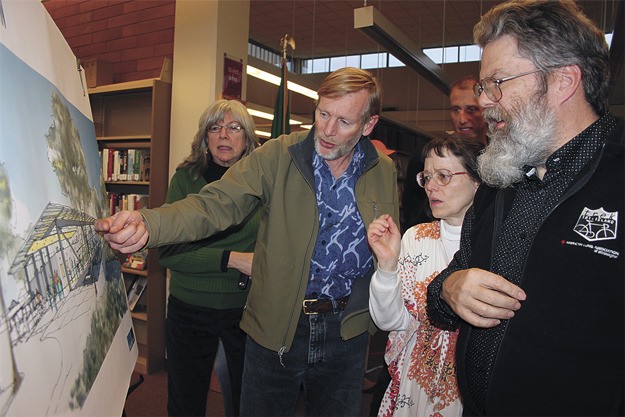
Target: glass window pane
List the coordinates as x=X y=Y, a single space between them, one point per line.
x=370 y=61
x=470 y=53
x=337 y=62
x=382 y=60
x=353 y=61
x=306 y=66
x=394 y=62
x=320 y=65
x=435 y=54
x=451 y=54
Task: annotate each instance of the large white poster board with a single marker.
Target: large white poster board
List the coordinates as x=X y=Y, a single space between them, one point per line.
x=67 y=345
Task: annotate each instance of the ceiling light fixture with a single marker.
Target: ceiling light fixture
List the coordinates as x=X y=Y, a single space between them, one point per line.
x=269 y=116
x=376 y=26
x=273 y=79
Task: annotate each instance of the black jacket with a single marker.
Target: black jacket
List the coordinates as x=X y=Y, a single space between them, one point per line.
x=563 y=352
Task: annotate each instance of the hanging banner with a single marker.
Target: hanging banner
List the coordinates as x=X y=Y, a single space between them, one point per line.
x=233 y=78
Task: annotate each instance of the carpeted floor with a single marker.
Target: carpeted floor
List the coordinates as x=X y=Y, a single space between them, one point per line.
x=149 y=399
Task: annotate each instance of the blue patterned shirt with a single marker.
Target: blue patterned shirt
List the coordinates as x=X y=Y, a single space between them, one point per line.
x=341 y=252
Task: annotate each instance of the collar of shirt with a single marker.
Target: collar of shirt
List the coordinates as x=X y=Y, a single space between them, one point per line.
x=569 y=159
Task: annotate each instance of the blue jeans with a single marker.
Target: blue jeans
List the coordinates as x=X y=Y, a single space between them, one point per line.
x=193 y=334
x=330 y=370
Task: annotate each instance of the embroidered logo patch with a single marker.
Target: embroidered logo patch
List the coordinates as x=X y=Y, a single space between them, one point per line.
x=595 y=225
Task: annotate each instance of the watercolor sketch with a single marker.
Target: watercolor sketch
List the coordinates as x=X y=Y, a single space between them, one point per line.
x=67 y=345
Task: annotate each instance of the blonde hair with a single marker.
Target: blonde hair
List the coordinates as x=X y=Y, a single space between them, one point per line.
x=350 y=80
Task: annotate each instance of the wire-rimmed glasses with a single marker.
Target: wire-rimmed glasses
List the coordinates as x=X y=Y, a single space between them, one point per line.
x=491 y=86
x=441 y=176
x=232 y=128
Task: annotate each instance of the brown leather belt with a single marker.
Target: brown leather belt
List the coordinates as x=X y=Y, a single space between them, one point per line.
x=323 y=305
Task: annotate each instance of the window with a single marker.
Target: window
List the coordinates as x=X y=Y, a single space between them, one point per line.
x=470 y=53
x=449 y=54
x=394 y=62
x=372 y=61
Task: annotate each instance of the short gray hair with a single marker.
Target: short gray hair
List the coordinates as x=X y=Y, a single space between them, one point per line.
x=553 y=33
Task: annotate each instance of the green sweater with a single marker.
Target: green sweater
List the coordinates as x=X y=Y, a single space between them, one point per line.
x=196 y=275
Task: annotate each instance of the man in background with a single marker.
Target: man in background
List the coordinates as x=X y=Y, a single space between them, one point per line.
x=465 y=111
x=537 y=285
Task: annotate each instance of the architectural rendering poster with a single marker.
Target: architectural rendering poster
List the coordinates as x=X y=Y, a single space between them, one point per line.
x=67 y=346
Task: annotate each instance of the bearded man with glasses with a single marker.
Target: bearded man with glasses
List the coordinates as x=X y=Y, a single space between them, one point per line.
x=537 y=286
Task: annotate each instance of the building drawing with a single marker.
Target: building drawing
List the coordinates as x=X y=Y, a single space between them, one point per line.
x=61 y=253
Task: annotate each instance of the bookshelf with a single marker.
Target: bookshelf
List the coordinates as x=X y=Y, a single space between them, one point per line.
x=135 y=115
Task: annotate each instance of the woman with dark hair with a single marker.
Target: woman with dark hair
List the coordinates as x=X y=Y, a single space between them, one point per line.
x=208 y=285
x=420 y=356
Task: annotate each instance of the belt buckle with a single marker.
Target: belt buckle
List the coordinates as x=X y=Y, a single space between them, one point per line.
x=305 y=306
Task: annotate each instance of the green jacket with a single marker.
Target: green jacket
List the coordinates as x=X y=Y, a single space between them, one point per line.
x=278 y=176
x=196 y=276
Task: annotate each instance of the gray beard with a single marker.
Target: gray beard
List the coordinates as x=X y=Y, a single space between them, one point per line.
x=527 y=139
x=338 y=151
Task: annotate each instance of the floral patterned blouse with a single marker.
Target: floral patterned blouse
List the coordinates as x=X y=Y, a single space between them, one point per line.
x=421 y=357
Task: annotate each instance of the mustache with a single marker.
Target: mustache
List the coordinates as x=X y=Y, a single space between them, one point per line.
x=493 y=115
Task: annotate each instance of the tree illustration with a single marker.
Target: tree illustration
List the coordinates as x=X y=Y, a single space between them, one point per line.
x=68 y=160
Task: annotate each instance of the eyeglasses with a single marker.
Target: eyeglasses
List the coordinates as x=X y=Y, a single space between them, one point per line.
x=231 y=129
x=492 y=86
x=441 y=176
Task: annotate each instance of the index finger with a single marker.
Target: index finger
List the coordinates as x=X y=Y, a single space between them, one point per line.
x=504 y=286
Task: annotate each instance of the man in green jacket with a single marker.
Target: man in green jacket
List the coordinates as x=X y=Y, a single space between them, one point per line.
x=307 y=311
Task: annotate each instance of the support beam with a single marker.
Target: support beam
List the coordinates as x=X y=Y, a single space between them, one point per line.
x=373 y=24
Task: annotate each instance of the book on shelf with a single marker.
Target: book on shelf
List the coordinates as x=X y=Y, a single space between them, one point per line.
x=110 y=162
x=137 y=260
x=115 y=174
x=136 y=168
x=130 y=164
x=137 y=201
x=105 y=163
x=125 y=164
x=145 y=165
x=121 y=201
x=136 y=289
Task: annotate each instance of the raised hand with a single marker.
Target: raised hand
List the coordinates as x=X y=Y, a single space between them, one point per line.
x=385 y=240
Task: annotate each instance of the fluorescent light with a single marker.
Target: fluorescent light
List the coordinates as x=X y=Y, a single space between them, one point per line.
x=273 y=79
x=302 y=90
x=262 y=133
x=306 y=126
x=261 y=114
x=265 y=76
x=269 y=116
